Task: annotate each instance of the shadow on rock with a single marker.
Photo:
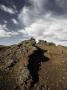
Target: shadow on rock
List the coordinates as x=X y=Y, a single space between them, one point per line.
x=35 y=61
x=7 y=82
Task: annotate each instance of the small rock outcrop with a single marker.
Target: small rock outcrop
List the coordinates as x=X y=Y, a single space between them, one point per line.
x=33 y=66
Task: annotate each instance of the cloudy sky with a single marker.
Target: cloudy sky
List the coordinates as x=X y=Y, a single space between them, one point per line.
x=41 y=19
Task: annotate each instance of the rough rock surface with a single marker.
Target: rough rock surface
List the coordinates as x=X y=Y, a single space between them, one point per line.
x=33 y=66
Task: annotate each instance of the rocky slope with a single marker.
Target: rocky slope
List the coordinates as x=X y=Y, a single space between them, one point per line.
x=33 y=66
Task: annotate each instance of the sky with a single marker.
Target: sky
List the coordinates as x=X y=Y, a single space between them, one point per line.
x=41 y=19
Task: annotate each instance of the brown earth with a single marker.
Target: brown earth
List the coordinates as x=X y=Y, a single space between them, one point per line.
x=33 y=66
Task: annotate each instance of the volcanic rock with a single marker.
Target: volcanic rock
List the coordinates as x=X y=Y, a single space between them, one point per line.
x=33 y=66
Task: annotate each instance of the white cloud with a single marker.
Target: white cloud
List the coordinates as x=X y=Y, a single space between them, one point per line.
x=50 y=29
x=30 y=14
x=42 y=23
x=23 y=32
x=5 y=33
x=7 y=9
x=13 y=33
x=15 y=21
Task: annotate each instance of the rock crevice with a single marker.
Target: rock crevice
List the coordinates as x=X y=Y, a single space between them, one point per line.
x=33 y=66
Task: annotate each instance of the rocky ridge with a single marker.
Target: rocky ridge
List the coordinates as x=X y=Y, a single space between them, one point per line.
x=33 y=66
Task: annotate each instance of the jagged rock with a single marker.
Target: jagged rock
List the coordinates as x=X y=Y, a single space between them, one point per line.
x=33 y=66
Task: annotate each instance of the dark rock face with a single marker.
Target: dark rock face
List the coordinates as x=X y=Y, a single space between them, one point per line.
x=33 y=66
x=35 y=61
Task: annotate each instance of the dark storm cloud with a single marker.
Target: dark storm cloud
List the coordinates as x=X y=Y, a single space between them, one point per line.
x=56 y=6
x=42 y=19
x=13 y=3
x=46 y=20
x=9 y=9
x=9 y=24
